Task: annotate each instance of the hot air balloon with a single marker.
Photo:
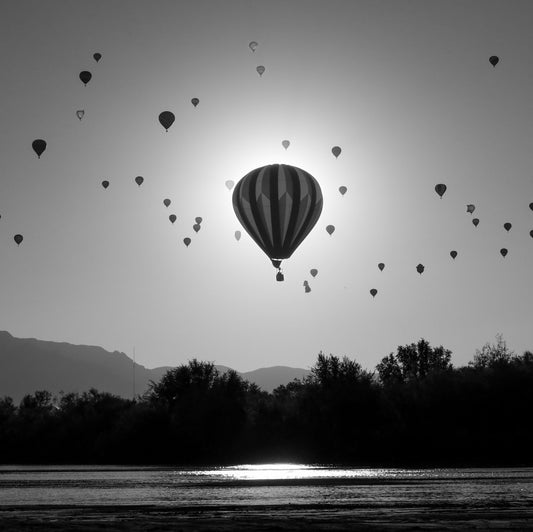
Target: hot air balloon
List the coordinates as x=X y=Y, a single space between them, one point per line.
x=336 y=151
x=166 y=202
x=531 y=233
x=237 y=235
x=531 y=206
x=278 y=205
x=440 y=189
x=453 y=254
x=196 y=227
x=39 y=145
x=80 y=113
x=139 y=180
x=105 y=184
x=373 y=292
x=18 y=239
x=507 y=226
x=229 y=184
x=195 y=101
x=343 y=190
x=260 y=70
x=85 y=77
x=172 y=218
x=253 y=45
x=279 y=276
x=187 y=241
x=313 y=272
x=494 y=60
x=420 y=268
x=503 y=251
x=97 y=56
x=285 y=143
x=307 y=289
x=475 y=221
x=166 y=119
x=381 y=266
x=470 y=208
x=330 y=229
x=198 y=219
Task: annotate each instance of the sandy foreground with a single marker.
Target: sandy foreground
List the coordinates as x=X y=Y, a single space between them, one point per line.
x=259 y=517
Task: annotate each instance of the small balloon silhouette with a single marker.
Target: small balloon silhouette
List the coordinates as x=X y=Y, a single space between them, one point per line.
x=229 y=184
x=172 y=218
x=139 y=180
x=166 y=202
x=18 y=239
x=38 y=145
x=187 y=241
x=470 y=208
x=336 y=151
x=97 y=56
x=373 y=292
x=475 y=221
x=105 y=184
x=313 y=272
x=453 y=254
x=80 y=113
x=196 y=227
x=195 y=101
x=166 y=119
x=531 y=206
x=330 y=229
x=237 y=235
x=420 y=268
x=85 y=77
x=381 y=266
x=507 y=226
x=343 y=190
x=440 y=189
x=285 y=143
x=260 y=70
x=253 y=45
x=198 y=219
x=503 y=251
x=494 y=60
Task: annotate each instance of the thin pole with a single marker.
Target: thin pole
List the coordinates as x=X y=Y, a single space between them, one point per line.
x=134 y=373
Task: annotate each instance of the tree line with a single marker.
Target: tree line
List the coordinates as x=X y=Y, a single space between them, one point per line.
x=415 y=409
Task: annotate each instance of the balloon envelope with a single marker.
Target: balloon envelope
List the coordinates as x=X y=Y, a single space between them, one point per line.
x=195 y=101
x=381 y=266
x=187 y=241
x=105 y=184
x=470 y=208
x=85 y=76
x=166 y=202
x=278 y=205
x=453 y=254
x=237 y=235
x=475 y=221
x=531 y=206
x=198 y=219
x=39 y=145
x=260 y=70
x=196 y=227
x=18 y=239
x=97 y=56
x=531 y=233
x=330 y=229
x=253 y=45
x=285 y=143
x=336 y=151
x=494 y=60
x=373 y=292
x=307 y=289
x=172 y=218
x=139 y=180
x=313 y=272
x=507 y=226
x=166 y=119
x=420 y=268
x=440 y=189
x=503 y=251
x=80 y=113
x=229 y=184
x=343 y=190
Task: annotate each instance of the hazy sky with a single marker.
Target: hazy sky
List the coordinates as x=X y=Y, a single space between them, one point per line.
x=406 y=90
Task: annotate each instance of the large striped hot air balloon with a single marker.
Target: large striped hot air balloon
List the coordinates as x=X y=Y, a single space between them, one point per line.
x=278 y=205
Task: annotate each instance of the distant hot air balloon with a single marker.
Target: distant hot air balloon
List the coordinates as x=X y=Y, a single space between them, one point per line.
x=195 y=101
x=105 y=184
x=507 y=226
x=97 y=56
x=494 y=60
x=343 y=190
x=330 y=229
x=278 y=205
x=260 y=70
x=198 y=219
x=475 y=221
x=440 y=189
x=453 y=254
x=80 y=113
x=39 y=145
x=420 y=268
x=139 y=180
x=336 y=151
x=313 y=272
x=229 y=184
x=531 y=206
x=85 y=77
x=503 y=251
x=307 y=288
x=187 y=241
x=166 y=202
x=172 y=218
x=18 y=239
x=531 y=233
x=237 y=235
x=166 y=119
x=381 y=266
x=470 y=208
x=253 y=45
x=373 y=292
x=196 y=227
x=285 y=143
